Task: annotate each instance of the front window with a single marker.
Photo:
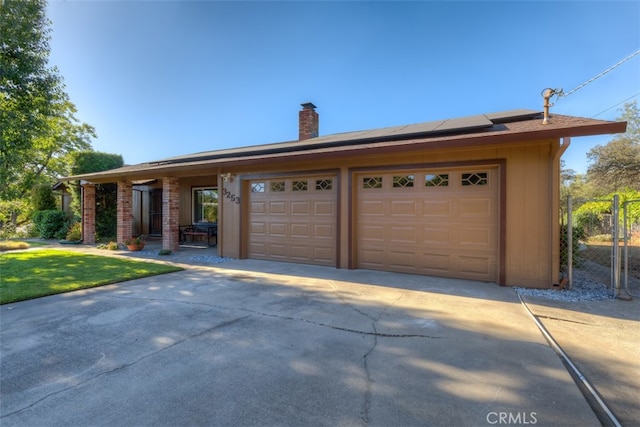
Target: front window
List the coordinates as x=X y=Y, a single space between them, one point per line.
x=205 y=205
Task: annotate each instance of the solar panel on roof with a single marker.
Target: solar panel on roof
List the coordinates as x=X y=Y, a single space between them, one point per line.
x=418 y=129
x=512 y=115
x=425 y=129
x=465 y=123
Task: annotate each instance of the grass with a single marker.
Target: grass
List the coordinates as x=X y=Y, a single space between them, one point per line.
x=42 y=272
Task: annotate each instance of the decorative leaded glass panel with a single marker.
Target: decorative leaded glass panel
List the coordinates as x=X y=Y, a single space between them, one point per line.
x=372 y=182
x=324 y=184
x=439 y=180
x=257 y=187
x=403 y=181
x=277 y=186
x=476 y=178
x=299 y=185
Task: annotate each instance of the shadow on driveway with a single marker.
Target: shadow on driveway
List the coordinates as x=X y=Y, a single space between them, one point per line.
x=259 y=343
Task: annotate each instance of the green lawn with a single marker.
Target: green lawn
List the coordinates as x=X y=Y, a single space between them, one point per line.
x=41 y=272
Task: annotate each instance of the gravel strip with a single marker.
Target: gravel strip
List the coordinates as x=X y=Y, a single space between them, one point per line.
x=209 y=259
x=200 y=259
x=584 y=289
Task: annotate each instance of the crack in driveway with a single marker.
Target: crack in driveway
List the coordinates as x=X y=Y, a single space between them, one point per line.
x=374 y=333
x=369 y=380
x=297 y=319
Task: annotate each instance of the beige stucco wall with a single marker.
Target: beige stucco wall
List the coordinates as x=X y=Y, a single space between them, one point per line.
x=531 y=202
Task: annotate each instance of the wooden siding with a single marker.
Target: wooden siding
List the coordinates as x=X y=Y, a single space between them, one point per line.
x=531 y=224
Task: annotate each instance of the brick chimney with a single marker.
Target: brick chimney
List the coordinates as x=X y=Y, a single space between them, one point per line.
x=308 y=122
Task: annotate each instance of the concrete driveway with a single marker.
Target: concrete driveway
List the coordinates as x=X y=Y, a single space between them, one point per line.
x=258 y=343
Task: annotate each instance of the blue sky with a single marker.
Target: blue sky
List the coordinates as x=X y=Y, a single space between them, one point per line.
x=164 y=78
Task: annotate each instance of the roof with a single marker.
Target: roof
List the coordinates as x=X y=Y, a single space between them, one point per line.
x=492 y=128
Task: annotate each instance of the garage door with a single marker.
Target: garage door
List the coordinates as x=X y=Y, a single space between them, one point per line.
x=293 y=219
x=435 y=222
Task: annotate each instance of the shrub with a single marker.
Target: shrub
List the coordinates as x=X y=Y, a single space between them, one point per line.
x=75 y=232
x=577 y=235
x=62 y=233
x=42 y=198
x=48 y=223
x=113 y=246
x=165 y=252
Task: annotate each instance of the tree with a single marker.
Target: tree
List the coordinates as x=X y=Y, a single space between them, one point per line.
x=37 y=125
x=616 y=165
x=42 y=198
x=93 y=161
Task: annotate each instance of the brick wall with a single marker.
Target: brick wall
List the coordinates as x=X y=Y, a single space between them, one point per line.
x=170 y=213
x=124 y=211
x=88 y=214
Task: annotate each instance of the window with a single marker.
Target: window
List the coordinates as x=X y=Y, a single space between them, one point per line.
x=277 y=186
x=403 y=181
x=324 y=184
x=477 y=178
x=257 y=187
x=432 y=180
x=205 y=204
x=299 y=185
x=372 y=182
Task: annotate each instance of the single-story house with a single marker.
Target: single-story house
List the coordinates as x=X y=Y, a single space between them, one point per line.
x=474 y=197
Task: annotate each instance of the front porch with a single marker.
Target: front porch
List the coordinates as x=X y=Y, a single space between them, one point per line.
x=161 y=209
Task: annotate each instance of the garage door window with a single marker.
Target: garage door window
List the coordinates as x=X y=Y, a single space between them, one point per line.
x=433 y=180
x=372 y=182
x=475 y=178
x=257 y=187
x=324 y=184
x=299 y=185
x=277 y=186
x=403 y=181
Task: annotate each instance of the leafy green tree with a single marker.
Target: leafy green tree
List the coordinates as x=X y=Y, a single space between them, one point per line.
x=616 y=165
x=589 y=216
x=27 y=86
x=38 y=128
x=94 y=161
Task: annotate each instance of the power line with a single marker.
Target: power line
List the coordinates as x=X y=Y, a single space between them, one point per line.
x=599 y=75
x=613 y=106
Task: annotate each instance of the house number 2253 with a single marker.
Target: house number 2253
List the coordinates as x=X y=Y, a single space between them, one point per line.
x=231 y=196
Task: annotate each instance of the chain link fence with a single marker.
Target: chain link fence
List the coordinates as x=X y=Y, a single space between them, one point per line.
x=630 y=273
x=601 y=244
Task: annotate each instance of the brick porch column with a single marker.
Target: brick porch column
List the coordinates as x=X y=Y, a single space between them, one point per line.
x=124 y=213
x=88 y=214
x=170 y=213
